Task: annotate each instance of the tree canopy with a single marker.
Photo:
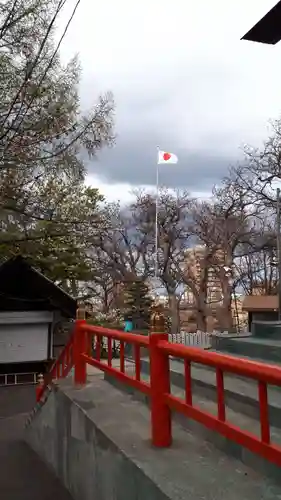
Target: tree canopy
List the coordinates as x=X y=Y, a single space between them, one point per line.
x=46 y=210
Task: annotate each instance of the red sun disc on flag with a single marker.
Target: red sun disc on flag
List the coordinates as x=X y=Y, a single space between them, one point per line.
x=166 y=156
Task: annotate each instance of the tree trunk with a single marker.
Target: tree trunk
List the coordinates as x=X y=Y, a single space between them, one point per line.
x=227 y=321
x=226 y=317
x=201 y=314
x=74 y=290
x=174 y=311
x=105 y=308
x=202 y=311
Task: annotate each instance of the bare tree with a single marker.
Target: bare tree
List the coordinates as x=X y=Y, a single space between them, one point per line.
x=255 y=182
x=221 y=226
x=120 y=247
x=256 y=264
x=173 y=237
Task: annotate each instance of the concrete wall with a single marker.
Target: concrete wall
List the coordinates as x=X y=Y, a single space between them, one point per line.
x=87 y=461
x=97 y=439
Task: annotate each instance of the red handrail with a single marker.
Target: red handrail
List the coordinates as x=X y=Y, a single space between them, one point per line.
x=162 y=402
x=130 y=338
x=270 y=374
x=59 y=369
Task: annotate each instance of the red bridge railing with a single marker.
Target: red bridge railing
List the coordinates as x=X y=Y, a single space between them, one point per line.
x=60 y=368
x=78 y=353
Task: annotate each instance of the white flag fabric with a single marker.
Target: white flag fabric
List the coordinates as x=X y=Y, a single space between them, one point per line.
x=164 y=157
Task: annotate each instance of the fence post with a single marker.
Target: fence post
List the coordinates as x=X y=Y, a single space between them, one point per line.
x=79 y=347
x=161 y=429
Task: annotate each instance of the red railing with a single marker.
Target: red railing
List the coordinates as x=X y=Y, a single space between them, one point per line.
x=162 y=402
x=60 y=368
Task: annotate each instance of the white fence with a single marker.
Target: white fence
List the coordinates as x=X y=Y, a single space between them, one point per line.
x=198 y=339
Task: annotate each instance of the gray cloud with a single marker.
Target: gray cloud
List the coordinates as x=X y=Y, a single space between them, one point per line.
x=134 y=162
x=197 y=96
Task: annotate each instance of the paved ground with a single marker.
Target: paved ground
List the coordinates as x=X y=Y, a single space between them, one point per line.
x=23 y=476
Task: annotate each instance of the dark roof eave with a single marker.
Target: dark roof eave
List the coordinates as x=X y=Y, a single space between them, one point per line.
x=57 y=297
x=268 y=29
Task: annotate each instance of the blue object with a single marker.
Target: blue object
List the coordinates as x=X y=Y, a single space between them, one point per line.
x=128 y=326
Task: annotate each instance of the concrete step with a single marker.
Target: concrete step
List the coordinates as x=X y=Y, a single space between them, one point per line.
x=243 y=421
x=235 y=355
x=23 y=475
x=241 y=394
x=253 y=347
x=244 y=356
x=237 y=418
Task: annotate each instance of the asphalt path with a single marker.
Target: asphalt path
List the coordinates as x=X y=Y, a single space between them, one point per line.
x=23 y=475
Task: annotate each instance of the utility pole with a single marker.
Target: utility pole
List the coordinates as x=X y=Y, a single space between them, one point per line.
x=278 y=238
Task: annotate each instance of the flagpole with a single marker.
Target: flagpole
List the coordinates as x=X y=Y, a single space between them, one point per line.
x=156 y=218
x=169 y=158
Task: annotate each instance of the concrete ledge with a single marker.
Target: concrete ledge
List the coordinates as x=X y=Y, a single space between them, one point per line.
x=268 y=350
x=97 y=440
x=241 y=395
x=220 y=442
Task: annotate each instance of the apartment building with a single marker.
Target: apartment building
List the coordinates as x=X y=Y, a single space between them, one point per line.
x=194 y=265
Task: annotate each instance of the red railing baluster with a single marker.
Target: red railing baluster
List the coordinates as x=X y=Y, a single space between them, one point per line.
x=58 y=370
x=264 y=419
x=89 y=344
x=220 y=394
x=188 y=382
x=79 y=348
x=137 y=362
x=109 y=349
x=122 y=357
x=98 y=347
x=67 y=356
x=63 y=363
x=161 y=425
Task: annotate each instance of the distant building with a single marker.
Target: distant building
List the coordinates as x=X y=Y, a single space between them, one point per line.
x=36 y=321
x=260 y=307
x=194 y=263
x=214 y=297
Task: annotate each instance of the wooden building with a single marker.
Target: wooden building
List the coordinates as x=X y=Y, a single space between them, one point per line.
x=33 y=315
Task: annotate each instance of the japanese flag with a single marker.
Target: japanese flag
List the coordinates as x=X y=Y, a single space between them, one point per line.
x=164 y=157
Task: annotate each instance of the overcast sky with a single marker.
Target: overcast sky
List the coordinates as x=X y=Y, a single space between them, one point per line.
x=182 y=79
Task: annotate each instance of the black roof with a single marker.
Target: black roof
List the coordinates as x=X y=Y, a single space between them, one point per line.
x=19 y=281
x=268 y=29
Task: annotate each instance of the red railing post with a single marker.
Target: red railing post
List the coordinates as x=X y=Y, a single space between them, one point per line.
x=39 y=387
x=80 y=346
x=161 y=428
